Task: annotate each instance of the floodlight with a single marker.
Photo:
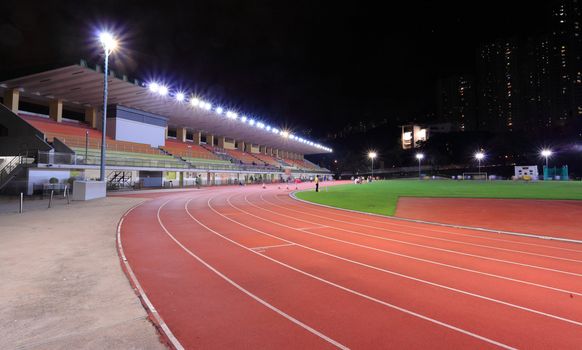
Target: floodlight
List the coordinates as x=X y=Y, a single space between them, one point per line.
x=107 y=41
x=154 y=87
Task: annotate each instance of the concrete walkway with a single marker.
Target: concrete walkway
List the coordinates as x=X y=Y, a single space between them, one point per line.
x=62 y=286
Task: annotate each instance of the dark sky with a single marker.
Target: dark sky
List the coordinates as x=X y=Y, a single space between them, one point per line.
x=304 y=64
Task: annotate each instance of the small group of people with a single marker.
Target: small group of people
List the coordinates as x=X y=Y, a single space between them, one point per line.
x=362 y=179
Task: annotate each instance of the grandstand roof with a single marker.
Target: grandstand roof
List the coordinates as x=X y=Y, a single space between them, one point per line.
x=80 y=86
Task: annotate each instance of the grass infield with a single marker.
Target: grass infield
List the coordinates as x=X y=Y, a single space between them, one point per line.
x=381 y=197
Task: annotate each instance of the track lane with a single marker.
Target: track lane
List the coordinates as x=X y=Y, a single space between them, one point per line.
x=568 y=329
x=372 y=317
x=324 y=269
x=197 y=309
x=415 y=270
x=545 y=276
x=509 y=241
x=414 y=237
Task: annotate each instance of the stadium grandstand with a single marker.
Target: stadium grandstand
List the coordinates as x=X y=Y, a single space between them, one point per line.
x=50 y=127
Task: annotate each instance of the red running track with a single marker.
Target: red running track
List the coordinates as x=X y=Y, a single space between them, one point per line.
x=253 y=268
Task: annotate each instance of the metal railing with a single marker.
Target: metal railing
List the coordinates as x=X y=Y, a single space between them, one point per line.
x=7 y=170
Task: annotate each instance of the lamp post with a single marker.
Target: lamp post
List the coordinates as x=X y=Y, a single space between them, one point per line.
x=109 y=44
x=419 y=156
x=372 y=155
x=479 y=156
x=546 y=153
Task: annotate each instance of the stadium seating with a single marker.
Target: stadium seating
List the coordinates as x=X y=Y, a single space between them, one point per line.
x=268 y=159
x=243 y=157
x=87 y=149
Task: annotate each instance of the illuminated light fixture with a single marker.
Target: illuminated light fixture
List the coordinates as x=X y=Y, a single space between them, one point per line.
x=546 y=153
x=153 y=87
x=243 y=118
x=218 y=110
x=107 y=41
x=163 y=90
x=180 y=96
x=285 y=134
x=231 y=115
x=479 y=155
x=275 y=130
x=194 y=101
x=419 y=156
x=207 y=106
x=268 y=128
x=251 y=122
x=260 y=125
x=292 y=137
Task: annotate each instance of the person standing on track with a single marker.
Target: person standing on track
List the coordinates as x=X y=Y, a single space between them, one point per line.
x=198 y=181
x=316 y=183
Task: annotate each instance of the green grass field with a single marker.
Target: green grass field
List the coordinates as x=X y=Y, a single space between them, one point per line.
x=381 y=197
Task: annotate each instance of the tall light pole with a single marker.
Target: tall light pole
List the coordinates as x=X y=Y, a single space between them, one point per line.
x=372 y=155
x=546 y=153
x=109 y=44
x=479 y=156
x=419 y=156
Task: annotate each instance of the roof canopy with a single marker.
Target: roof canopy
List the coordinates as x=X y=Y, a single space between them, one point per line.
x=79 y=86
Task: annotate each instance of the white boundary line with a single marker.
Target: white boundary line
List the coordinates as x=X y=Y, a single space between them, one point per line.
x=396 y=273
x=239 y=287
x=273 y=246
x=409 y=243
x=152 y=310
x=386 y=220
x=419 y=235
x=406 y=311
x=569 y=240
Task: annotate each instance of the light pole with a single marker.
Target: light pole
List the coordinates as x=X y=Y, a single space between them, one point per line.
x=109 y=44
x=546 y=153
x=419 y=156
x=372 y=155
x=479 y=156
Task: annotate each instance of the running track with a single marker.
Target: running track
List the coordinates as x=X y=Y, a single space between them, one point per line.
x=252 y=268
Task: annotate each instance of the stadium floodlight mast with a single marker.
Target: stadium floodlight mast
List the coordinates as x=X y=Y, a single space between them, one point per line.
x=479 y=156
x=419 y=156
x=109 y=44
x=546 y=153
x=372 y=155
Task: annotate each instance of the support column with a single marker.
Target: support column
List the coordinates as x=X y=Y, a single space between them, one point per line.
x=210 y=140
x=241 y=146
x=166 y=133
x=262 y=149
x=56 y=110
x=12 y=99
x=181 y=134
x=221 y=142
x=248 y=148
x=91 y=118
x=197 y=137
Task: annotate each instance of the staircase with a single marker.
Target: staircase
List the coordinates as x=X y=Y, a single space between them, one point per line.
x=9 y=170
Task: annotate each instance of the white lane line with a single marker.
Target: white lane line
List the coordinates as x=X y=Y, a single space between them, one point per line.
x=365 y=296
x=428 y=237
x=312 y=227
x=403 y=275
x=449 y=266
x=239 y=287
x=272 y=246
x=152 y=310
x=460 y=227
x=416 y=244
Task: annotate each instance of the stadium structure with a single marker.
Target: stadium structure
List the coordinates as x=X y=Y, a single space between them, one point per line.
x=50 y=127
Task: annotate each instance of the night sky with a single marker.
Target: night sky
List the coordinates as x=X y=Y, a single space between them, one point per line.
x=302 y=64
